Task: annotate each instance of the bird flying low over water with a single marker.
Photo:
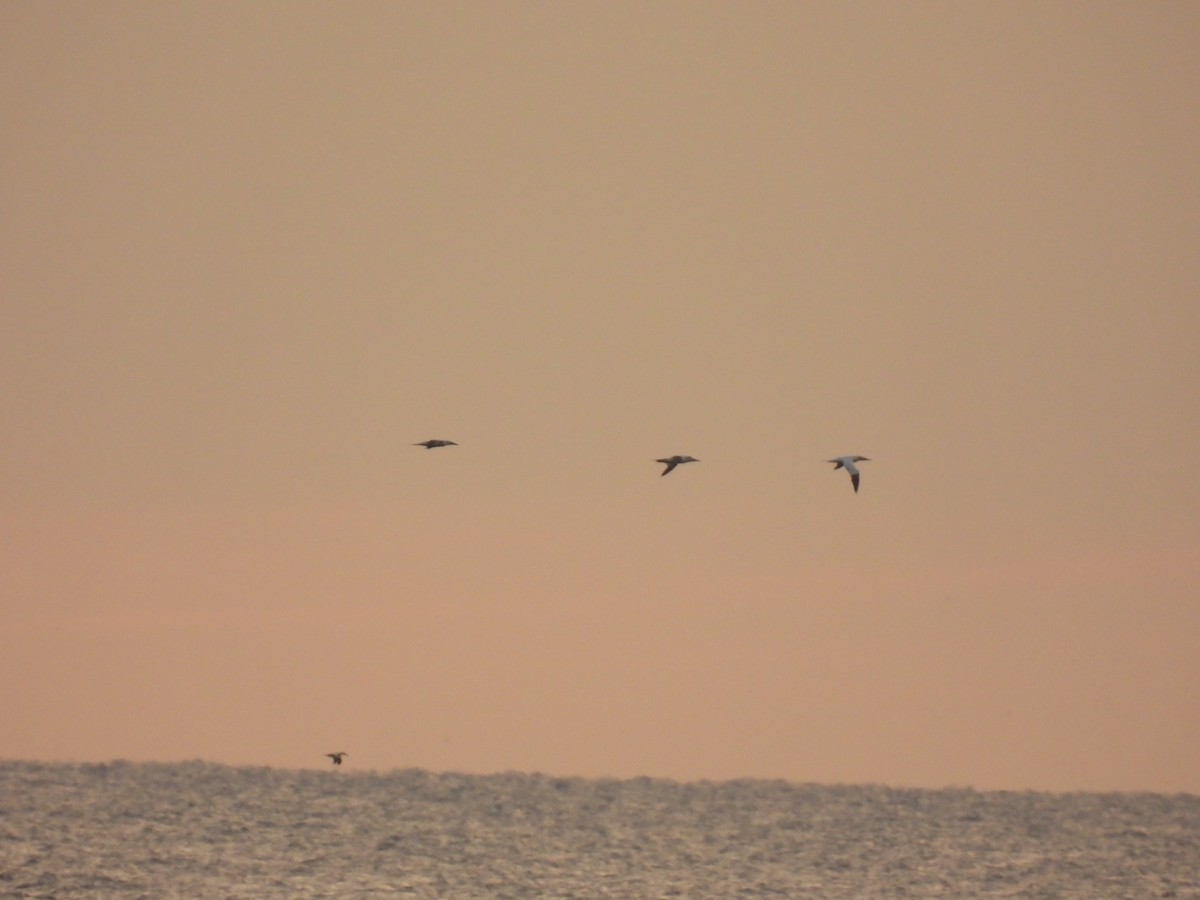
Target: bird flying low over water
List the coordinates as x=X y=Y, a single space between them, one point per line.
x=848 y=463
x=337 y=757
x=429 y=445
x=673 y=461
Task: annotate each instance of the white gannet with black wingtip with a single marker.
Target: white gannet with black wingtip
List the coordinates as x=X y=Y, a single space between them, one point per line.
x=337 y=757
x=848 y=463
x=672 y=461
x=429 y=445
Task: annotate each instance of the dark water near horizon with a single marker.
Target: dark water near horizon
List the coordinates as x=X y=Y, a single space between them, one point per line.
x=200 y=830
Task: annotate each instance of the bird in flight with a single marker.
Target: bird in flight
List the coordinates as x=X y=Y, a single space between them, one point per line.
x=337 y=757
x=848 y=463
x=673 y=461
x=429 y=445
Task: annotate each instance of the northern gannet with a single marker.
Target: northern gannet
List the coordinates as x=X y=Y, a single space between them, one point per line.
x=673 y=461
x=337 y=757
x=429 y=445
x=848 y=463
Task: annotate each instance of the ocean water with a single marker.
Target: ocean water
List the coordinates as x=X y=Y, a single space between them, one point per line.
x=200 y=830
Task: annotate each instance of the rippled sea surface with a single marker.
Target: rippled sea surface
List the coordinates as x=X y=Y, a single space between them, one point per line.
x=199 y=830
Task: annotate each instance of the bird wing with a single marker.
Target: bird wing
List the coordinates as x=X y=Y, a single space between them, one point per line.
x=854 y=480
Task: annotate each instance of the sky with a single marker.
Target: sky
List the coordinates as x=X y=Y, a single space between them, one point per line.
x=252 y=253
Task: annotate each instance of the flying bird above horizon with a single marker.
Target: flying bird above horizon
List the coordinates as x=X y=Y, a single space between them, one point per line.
x=429 y=445
x=672 y=461
x=337 y=757
x=848 y=463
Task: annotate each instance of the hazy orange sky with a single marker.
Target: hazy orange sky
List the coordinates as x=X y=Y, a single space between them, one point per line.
x=250 y=253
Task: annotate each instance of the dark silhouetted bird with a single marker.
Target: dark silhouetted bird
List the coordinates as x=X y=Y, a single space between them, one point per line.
x=673 y=461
